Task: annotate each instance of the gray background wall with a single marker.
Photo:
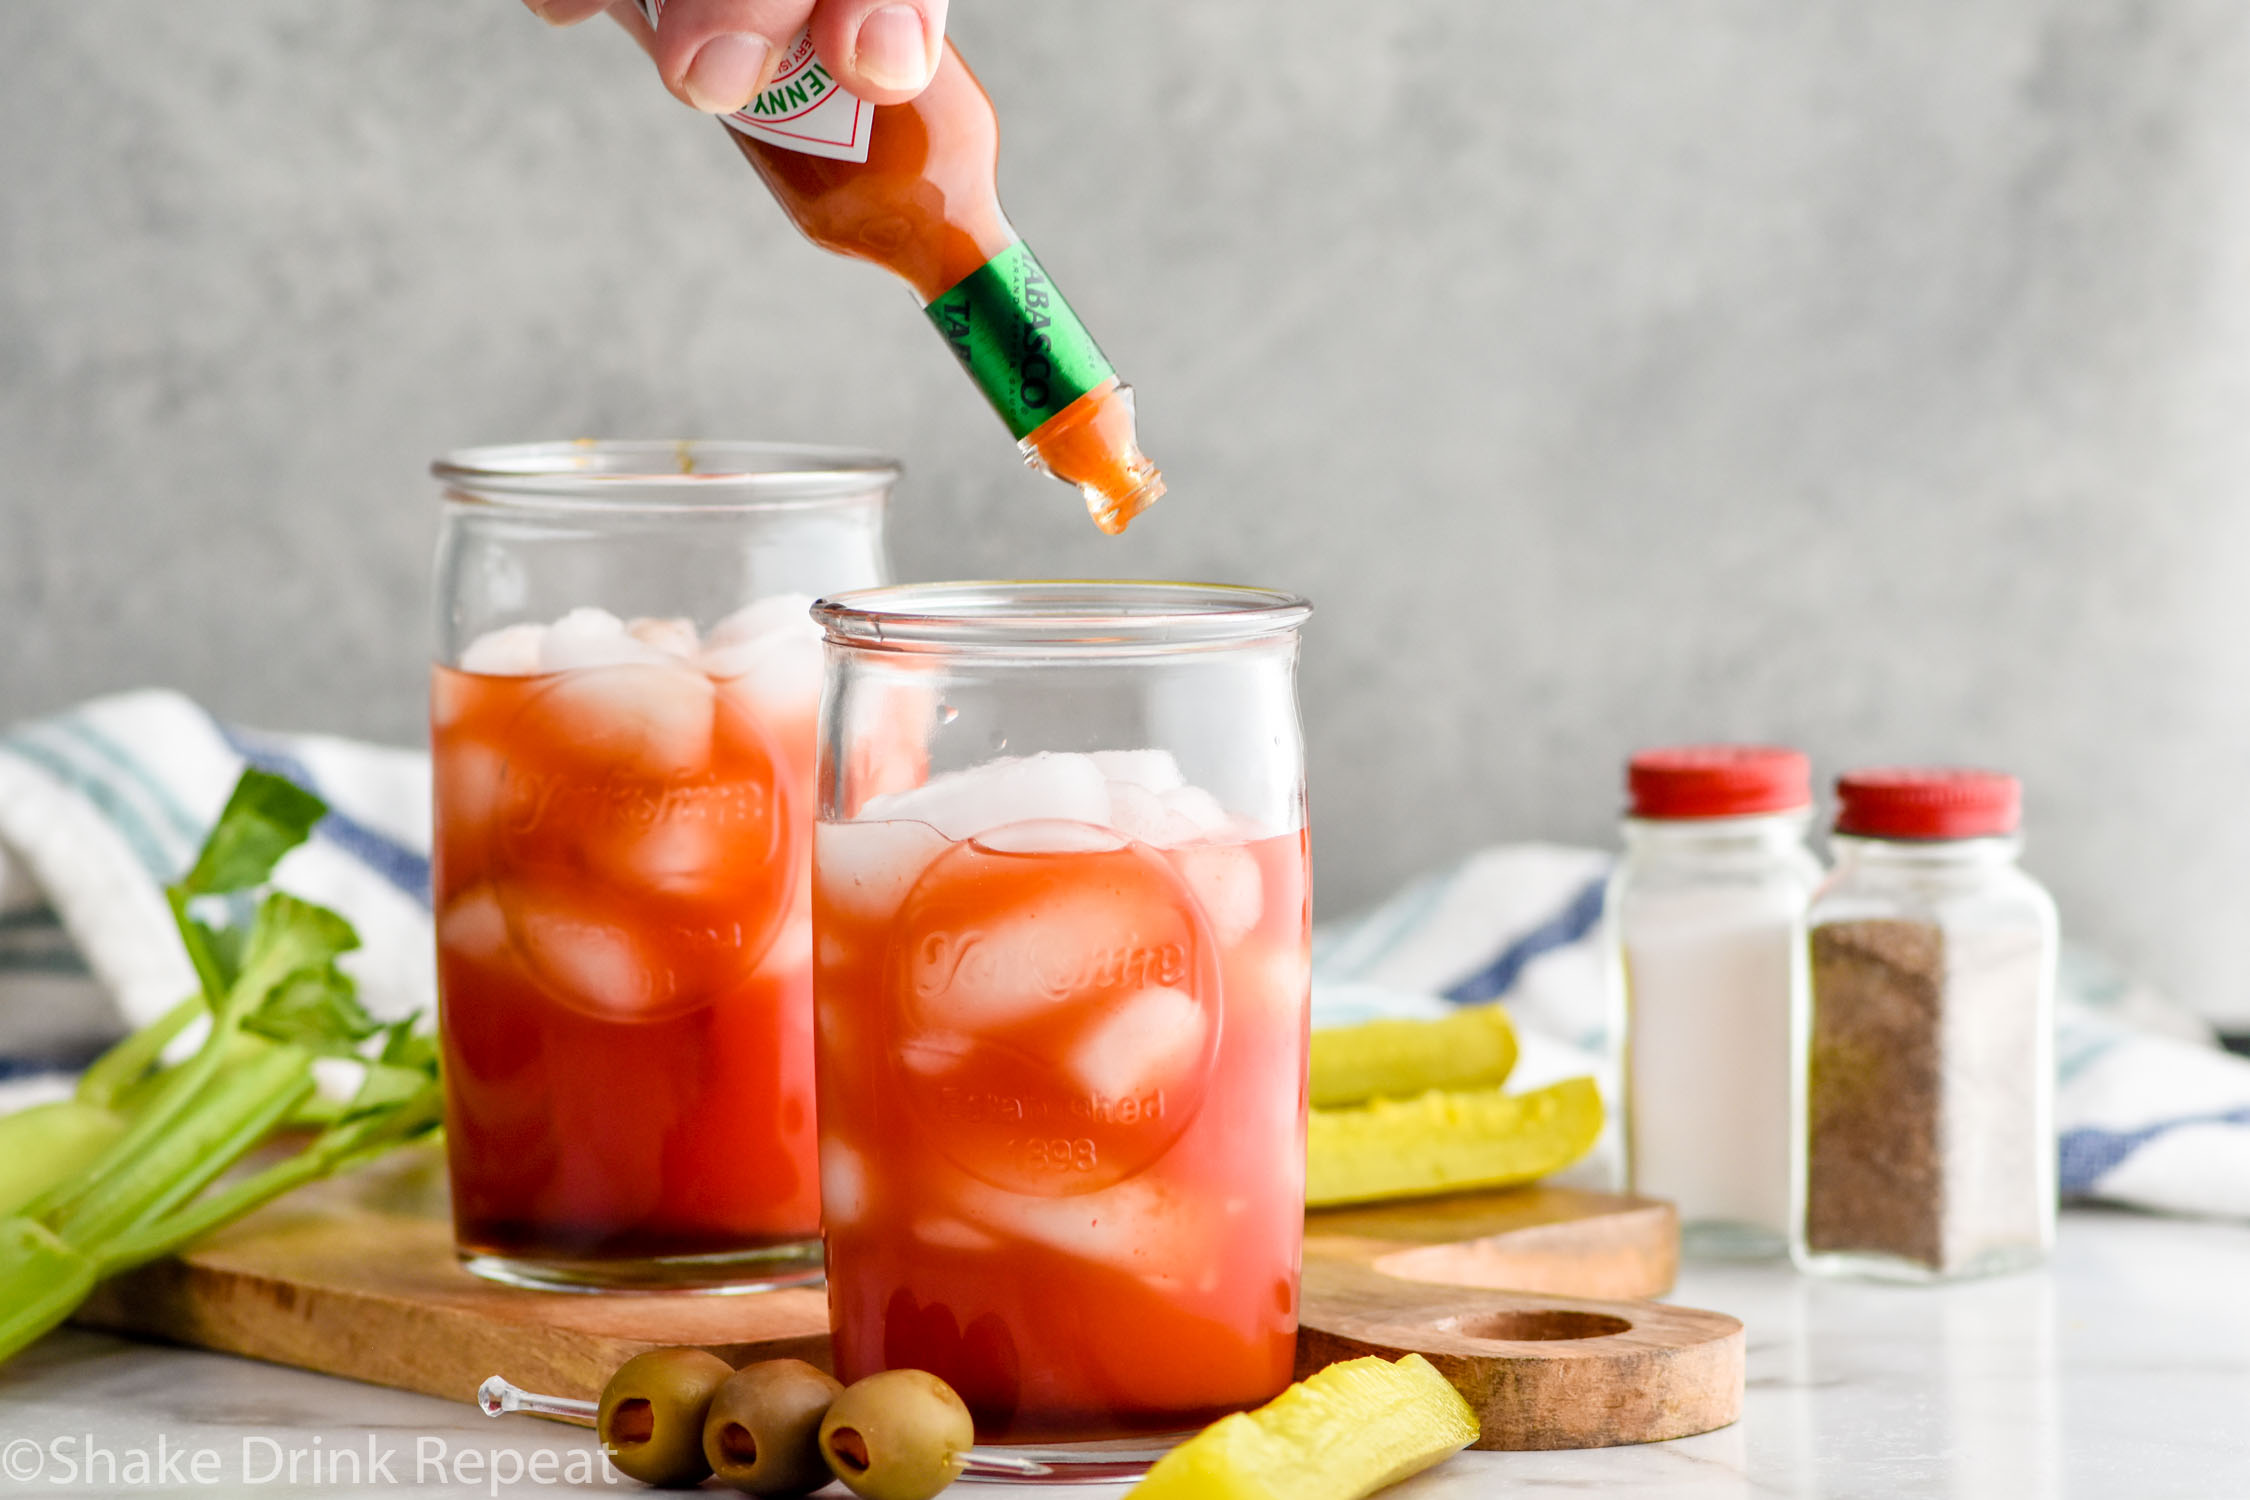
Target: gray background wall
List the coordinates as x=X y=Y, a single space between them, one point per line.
x=1871 y=377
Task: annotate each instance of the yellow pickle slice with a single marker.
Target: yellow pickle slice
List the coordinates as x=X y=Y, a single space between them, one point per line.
x=1348 y=1431
x=1445 y=1142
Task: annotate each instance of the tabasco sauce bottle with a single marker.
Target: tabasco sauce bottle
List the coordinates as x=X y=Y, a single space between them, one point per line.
x=914 y=188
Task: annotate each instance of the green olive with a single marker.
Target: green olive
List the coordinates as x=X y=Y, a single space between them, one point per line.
x=897 y=1435
x=651 y=1416
x=762 y=1434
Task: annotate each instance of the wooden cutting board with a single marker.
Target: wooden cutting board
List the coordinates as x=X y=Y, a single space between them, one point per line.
x=358 y=1278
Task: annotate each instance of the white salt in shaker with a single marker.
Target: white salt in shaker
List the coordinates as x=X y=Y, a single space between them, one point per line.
x=1706 y=935
x=1928 y=1056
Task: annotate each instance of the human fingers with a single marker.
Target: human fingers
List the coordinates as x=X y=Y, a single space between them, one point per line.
x=565 y=12
x=885 y=51
x=714 y=55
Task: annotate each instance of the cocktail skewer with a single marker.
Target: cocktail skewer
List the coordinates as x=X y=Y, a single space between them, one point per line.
x=500 y=1396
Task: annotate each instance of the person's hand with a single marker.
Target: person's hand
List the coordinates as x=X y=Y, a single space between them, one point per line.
x=717 y=54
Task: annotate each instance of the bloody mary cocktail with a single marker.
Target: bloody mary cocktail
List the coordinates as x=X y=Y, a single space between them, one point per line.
x=1061 y=1005
x=622 y=892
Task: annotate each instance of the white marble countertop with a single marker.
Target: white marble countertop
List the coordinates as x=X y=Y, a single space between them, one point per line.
x=2122 y=1370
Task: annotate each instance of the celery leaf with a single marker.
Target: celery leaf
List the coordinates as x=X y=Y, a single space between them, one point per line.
x=267 y=816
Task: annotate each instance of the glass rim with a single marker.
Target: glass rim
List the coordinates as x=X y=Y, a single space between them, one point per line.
x=645 y=475
x=1098 y=614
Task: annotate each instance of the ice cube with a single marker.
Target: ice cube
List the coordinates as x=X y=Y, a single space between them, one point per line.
x=776 y=675
x=1140 y=814
x=511 y=651
x=843 y=1182
x=866 y=869
x=1149 y=1041
x=952 y=1234
x=963 y=804
x=589 y=964
x=885 y=738
x=933 y=1052
x=467 y=776
x=1050 y=836
x=590 y=637
x=677 y=856
x=673 y=637
x=775 y=644
x=1020 y=960
x=1268 y=983
x=1226 y=880
x=1150 y=770
x=652 y=718
x=1143 y=1226
x=472 y=926
x=792 y=947
x=1200 y=809
x=763 y=617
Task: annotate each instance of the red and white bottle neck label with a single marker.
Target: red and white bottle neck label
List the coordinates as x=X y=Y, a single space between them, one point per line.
x=804 y=108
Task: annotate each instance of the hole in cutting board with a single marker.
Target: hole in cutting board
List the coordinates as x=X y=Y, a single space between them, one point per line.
x=1537 y=1327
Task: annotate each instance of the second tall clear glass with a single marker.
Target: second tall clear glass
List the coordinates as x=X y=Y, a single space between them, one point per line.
x=622 y=724
x=1061 y=911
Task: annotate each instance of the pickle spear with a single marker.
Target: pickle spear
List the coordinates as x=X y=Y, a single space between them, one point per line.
x=1348 y=1431
x=1473 y=1048
x=1448 y=1142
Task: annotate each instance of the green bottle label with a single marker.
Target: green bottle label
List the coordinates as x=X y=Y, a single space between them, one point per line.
x=1014 y=333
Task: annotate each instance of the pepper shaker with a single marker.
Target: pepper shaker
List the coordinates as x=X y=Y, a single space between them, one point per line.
x=1928 y=1062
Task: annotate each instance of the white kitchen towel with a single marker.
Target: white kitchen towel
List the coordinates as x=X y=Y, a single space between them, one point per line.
x=101 y=806
x=104 y=805
x=2149 y=1110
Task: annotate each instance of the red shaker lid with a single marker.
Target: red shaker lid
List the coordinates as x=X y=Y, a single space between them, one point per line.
x=1717 y=781
x=1927 y=802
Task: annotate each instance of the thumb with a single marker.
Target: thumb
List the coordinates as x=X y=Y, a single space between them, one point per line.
x=885 y=51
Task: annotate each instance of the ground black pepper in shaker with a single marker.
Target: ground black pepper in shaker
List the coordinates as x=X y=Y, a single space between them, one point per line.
x=1928 y=1057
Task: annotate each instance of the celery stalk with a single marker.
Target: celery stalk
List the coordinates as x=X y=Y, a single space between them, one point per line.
x=106 y=1082
x=43 y=1281
x=214 y=1131
x=335 y=1150
x=173 y=1094
x=130 y=1169
x=49 y=1144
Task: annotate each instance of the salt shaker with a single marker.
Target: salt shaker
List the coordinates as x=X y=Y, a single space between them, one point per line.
x=1929 y=1058
x=1706 y=929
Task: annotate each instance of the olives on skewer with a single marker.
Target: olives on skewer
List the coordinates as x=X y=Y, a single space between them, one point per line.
x=762 y=1433
x=897 y=1435
x=650 y=1418
x=673 y=1417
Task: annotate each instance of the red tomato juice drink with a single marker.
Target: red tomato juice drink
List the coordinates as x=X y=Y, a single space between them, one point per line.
x=622 y=893
x=1062 y=1012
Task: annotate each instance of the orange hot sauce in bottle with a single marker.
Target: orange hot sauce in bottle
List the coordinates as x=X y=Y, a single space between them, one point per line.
x=914 y=188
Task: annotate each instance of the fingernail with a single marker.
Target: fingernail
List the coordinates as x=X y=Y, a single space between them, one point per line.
x=892 y=49
x=725 y=72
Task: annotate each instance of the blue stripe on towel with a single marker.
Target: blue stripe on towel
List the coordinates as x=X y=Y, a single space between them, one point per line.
x=1564 y=928
x=191 y=831
x=386 y=856
x=160 y=864
x=2089 y=1154
x=62 y=1063
x=44 y=961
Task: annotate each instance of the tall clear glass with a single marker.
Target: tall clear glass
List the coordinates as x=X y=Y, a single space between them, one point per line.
x=622 y=732
x=1061 y=909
